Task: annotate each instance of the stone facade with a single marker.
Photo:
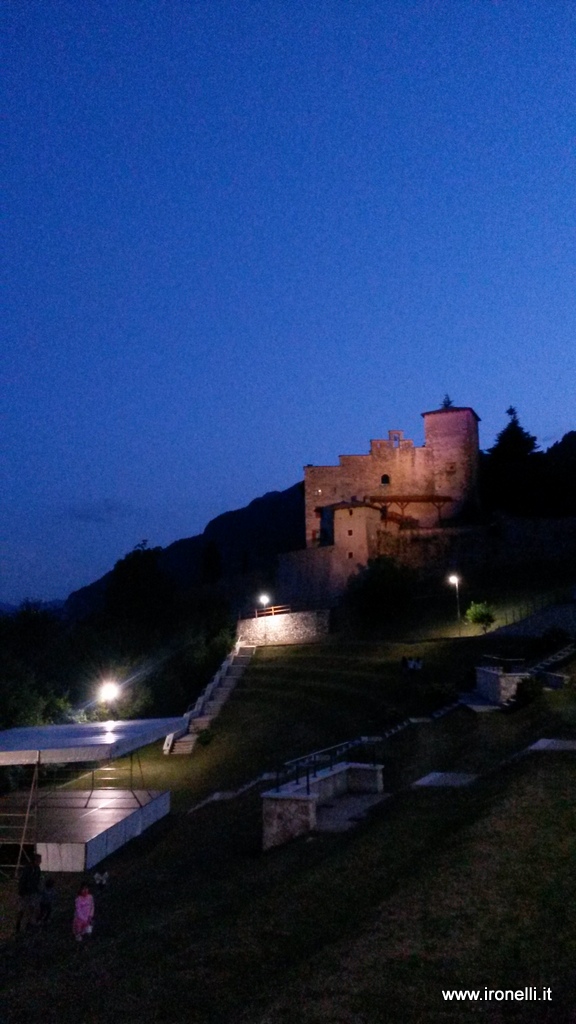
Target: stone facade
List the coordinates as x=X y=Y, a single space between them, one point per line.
x=286 y=628
x=416 y=485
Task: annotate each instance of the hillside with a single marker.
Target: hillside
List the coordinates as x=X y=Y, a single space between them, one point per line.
x=439 y=889
x=245 y=540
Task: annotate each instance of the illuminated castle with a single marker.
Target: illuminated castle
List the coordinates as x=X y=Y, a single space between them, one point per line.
x=401 y=500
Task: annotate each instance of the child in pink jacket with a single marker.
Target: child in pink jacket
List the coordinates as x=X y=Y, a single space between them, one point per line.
x=83 y=914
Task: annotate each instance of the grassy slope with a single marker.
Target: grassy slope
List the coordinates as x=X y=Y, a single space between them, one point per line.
x=198 y=926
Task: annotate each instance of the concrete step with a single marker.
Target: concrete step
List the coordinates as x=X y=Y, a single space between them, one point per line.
x=234 y=671
x=213 y=710
x=226 y=686
x=218 y=699
x=185 y=745
x=201 y=723
x=346 y=811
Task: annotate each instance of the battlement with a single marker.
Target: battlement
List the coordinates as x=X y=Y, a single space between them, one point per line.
x=442 y=473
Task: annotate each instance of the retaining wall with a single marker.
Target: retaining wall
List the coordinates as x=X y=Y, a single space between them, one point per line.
x=286 y=628
x=290 y=811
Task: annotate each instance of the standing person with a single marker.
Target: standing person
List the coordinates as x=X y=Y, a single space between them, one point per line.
x=29 y=887
x=46 y=901
x=83 y=913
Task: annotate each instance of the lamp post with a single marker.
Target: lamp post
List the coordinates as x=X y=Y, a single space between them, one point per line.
x=264 y=600
x=455 y=581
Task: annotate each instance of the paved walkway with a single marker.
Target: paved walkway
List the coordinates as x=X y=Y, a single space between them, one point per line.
x=445 y=779
x=346 y=811
x=560 y=616
x=553 y=745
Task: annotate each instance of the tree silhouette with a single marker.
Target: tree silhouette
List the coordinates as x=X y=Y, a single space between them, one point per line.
x=512 y=471
x=513 y=443
x=139 y=591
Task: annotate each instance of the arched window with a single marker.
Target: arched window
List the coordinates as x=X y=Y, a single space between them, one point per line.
x=385 y=479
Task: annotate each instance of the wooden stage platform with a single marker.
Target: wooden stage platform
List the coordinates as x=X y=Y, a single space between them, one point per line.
x=73 y=830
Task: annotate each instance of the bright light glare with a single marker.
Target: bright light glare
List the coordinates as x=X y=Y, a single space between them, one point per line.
x=454 y=580
x=264 y=599
x=109 y=691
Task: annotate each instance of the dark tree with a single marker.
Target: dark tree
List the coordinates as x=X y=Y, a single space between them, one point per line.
x=139 y=592
x=513 y=443
x=382 y=591
x=560 y=474
x=210 y=563
x=512 y=471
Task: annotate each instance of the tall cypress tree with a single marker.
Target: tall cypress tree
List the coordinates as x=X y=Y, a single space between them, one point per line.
x=512 y=471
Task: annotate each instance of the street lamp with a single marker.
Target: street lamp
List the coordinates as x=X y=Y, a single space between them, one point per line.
x=455 y=581
x=109 y=691
x=264 y=600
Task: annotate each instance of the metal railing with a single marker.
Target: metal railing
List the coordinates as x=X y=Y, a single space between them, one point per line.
x=272 y=609
x=306 y=767
x=198 y=709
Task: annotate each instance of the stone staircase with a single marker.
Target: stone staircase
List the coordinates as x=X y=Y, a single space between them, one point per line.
x=212 y=699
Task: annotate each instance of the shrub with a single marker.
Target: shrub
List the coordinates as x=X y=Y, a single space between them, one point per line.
x=480 y=614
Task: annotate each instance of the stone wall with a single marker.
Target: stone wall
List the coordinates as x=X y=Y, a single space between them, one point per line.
x=319 y=575
x=290 y=811
x=286 y=818
x=497 y=686
x=286 y=628
x=314 y=576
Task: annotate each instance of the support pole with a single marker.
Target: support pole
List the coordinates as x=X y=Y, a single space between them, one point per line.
x=33 y=795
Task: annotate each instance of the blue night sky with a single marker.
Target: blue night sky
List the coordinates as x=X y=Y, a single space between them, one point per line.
x=246 y=236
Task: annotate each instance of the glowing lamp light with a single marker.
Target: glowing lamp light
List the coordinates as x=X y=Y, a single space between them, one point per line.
x=264 y=599
x=455 y=581
x=109 y=691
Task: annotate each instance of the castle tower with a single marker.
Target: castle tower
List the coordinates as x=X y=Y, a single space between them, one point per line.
x=451 y=435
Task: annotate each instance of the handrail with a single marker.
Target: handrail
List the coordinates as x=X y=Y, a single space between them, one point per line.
x=327 y=757
x=196 y=710
x=272 y=609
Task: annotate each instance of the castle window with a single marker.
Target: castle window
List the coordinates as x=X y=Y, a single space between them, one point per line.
x=350 y=511
x=385 y=479
x=350 y=533
x=350 y=554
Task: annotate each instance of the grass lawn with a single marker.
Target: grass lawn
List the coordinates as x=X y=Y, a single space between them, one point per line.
x=440 y=889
